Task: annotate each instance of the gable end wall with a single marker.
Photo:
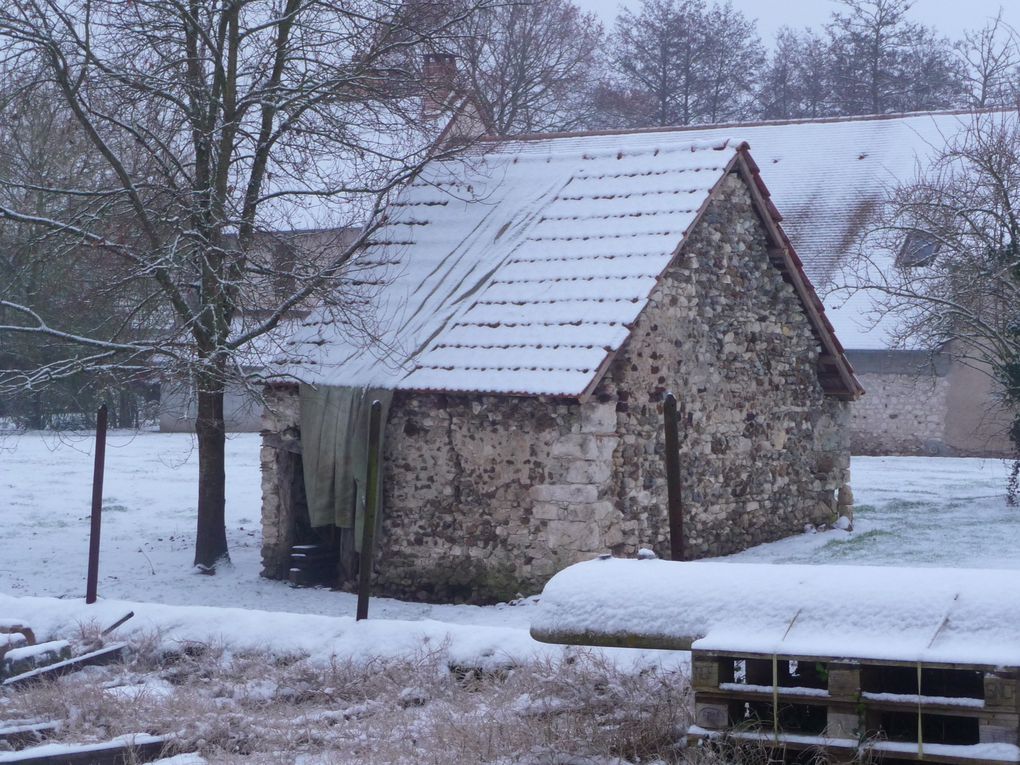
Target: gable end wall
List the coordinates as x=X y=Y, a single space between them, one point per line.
x=763 y=451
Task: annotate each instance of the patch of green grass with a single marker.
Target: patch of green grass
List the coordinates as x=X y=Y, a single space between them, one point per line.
x=851 y=548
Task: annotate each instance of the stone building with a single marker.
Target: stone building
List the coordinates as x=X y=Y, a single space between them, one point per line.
x=533 y=304
x=828 y=176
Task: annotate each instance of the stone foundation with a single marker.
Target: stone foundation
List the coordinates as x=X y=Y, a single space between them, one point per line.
x=487 y=496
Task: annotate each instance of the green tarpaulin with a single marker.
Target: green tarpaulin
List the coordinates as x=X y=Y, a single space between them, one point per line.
x=334 y=438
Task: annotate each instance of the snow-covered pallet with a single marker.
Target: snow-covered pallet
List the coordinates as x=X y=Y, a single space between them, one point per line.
x=905 y=663
x=952 y=713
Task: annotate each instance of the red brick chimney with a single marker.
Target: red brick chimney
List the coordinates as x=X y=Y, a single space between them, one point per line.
x=439 y=78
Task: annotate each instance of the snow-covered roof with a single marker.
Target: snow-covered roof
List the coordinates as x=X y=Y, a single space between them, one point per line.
x=521 y=268
x=963 y=616
x=826 y=177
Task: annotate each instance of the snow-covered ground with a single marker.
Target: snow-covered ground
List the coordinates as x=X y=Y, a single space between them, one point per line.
x=148 y=532
x=915 y=511
x=944 y=512
x=910 y=511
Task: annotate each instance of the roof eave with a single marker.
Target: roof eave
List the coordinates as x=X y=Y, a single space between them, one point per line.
x=843 y=384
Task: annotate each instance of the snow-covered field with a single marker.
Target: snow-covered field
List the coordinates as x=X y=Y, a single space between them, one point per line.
x=910 y=511
x=916 y=511
x=262 y=642
x=148 y=531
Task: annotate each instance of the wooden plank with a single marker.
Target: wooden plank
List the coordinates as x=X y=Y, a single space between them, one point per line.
x=857 y=661
x=934 y=708
x=995 y=732
x=25 y=733
x=720 y=697
x=844 y=680
x=892 y=750
x=842 y=724
x=711 y=716
x=948 y=710
x=136 y=749
x=106 y=655
x=710 y=671
x=1000 y=691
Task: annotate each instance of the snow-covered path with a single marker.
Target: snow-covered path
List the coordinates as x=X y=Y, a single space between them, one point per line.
x=911 y=511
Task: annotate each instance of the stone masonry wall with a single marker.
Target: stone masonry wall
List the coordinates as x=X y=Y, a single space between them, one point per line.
x=487 y=496
x=901 y=414
x=281 y=440
x=763 y=451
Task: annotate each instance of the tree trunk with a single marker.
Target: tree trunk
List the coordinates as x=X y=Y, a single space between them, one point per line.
x=211 y=540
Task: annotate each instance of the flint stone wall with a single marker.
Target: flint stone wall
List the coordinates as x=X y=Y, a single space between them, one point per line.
x=487 y=496
x=905 y=409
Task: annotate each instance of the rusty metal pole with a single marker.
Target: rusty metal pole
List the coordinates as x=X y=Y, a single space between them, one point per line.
x=92 y=580
x=675 y=498
x=371 y=501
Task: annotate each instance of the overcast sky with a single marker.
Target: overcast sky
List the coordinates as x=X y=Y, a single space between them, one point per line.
x=949 y=16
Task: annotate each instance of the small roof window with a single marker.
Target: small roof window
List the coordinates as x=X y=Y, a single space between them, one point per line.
x=919 y=249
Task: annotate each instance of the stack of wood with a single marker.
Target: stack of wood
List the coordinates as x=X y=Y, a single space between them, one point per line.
x=857 y=662
x=23 y=660
x=312 y=565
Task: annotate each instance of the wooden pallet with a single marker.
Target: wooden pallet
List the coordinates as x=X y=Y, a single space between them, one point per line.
x=126 y=750
x=949 y=713
x=106 y=655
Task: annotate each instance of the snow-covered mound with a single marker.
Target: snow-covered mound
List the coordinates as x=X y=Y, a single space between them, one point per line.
x=905 y=614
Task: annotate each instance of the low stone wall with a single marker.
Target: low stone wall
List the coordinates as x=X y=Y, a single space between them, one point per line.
x=903 y=414
x=925 y=404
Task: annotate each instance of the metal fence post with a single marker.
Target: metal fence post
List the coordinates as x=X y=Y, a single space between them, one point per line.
x=92 y=580
x=371 y=501
x=675 y=498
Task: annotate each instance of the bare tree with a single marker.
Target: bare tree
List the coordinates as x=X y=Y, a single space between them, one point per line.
x=943 y=259
x=733 y=60
x=991 y=57
x=217 y=123
x=685 y=62
x=42 y=145
x=795 y=81
x=882 y=62
x=532 y=66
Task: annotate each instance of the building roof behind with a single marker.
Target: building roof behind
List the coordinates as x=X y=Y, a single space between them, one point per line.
x=827 y=176
x=522 y=269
